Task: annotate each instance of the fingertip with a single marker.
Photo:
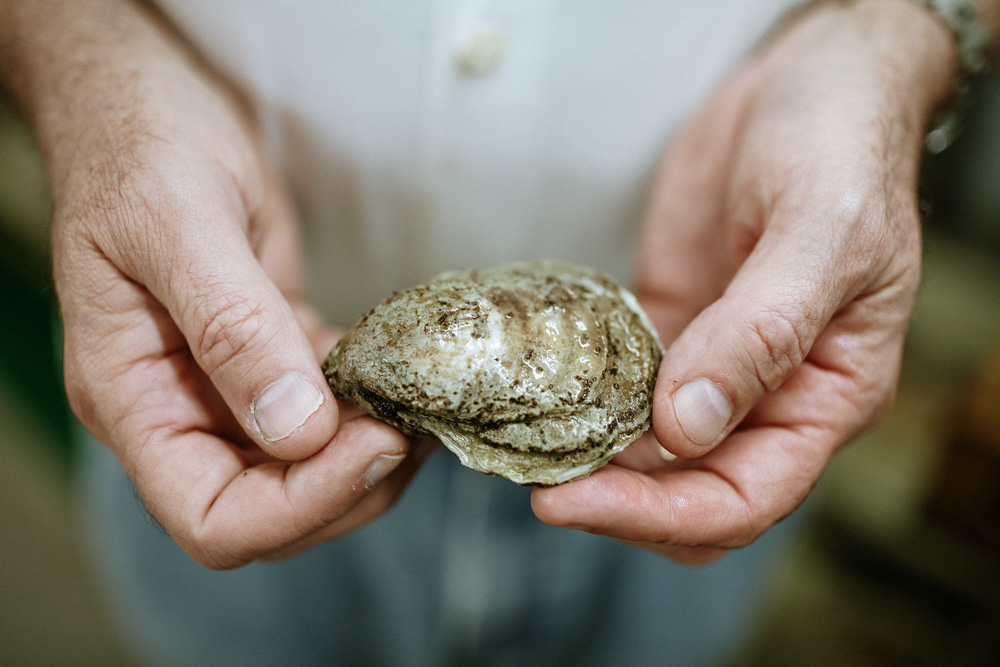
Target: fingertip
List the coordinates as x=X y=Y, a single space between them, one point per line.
x=585 y=504
x=285 y=405
x=376 y=436
x=691 y=416
x=374 y=448
x=545 y=507
x=380 y=468
x=294 y=416
x=702 y=410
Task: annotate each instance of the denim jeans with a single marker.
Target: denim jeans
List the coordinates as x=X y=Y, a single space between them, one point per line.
x=459 y=572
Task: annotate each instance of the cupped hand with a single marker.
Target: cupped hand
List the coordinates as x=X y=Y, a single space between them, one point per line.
x=189 y=349
x=782 y=259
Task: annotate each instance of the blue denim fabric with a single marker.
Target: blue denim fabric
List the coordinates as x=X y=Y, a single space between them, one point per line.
x=459 y=572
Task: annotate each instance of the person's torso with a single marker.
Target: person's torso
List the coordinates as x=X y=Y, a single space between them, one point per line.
x=428 y=135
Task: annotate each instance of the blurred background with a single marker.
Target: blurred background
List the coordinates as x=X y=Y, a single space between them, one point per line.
x=899 y=562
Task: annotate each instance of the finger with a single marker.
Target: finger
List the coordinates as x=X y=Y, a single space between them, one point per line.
x=378 y=500
x=764 y=470
x=279 y=254
x=646 y=454
x=724 y=500
x=245 y=336
x=751 y=340
x=197 y=246
x=225 y=514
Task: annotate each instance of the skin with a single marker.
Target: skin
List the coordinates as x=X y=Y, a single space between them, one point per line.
x=176 y=266
x=790 y=291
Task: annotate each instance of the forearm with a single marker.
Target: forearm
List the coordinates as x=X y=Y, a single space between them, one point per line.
x=88 y=72
x=901 y=53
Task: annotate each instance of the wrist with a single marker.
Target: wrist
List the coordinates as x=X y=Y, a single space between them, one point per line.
x=971 y=38
x=92 y=77
x=898 y=50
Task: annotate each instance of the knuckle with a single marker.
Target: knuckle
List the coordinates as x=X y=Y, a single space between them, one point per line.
x=89 y=393
x=741 y=527
x=232 y=327
x=777 y=342
x=751 y=520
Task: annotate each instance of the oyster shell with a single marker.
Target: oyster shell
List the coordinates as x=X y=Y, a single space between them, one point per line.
x=539 y=372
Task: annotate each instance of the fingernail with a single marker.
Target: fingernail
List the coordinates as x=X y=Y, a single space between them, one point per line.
x=702 y=410
x=380 y=468
x=285 y=405
x=667 y=455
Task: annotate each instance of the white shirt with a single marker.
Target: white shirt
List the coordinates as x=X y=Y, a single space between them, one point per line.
x=426 y=135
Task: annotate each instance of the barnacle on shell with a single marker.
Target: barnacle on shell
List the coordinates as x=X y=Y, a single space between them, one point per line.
x=539 y=371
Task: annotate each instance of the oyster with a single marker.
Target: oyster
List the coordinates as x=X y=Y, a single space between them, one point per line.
x=539 y=372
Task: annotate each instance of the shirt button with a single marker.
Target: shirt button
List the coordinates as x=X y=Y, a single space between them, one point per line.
x=482 y=52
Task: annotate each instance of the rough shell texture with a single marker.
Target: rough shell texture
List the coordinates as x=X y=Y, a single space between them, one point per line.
x=539 y=372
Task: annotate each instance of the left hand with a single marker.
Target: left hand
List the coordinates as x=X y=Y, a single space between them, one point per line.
x=782 y=258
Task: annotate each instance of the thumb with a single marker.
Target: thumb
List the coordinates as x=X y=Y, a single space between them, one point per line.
x=745 y=344
x=244 y=335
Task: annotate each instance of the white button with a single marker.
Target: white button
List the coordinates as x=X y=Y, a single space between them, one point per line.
x=482 y=52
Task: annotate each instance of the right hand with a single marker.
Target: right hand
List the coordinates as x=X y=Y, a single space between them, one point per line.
x=189 y=349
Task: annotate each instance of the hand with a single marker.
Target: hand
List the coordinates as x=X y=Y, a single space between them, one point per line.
x=189 y=349
x=782 y=258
